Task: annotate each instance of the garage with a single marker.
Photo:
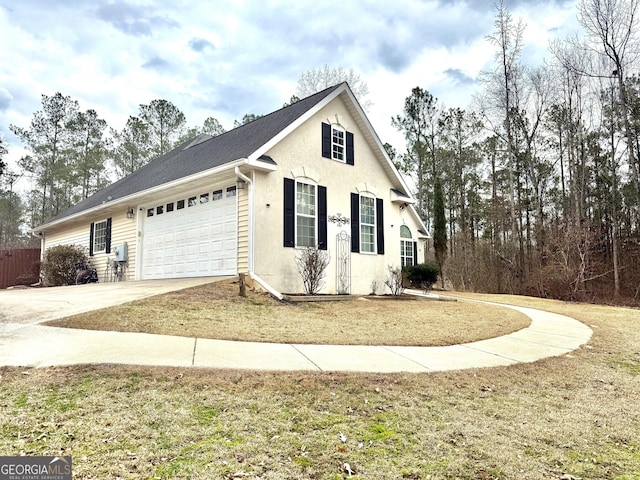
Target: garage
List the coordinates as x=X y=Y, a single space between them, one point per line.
x=191 y=236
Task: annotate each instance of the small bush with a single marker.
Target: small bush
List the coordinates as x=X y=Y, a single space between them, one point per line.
x=312 y=264
x=394 y=280
x=423 y=275
x=59 y=265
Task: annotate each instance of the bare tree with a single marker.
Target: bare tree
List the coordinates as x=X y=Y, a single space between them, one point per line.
x=500 y=101
x=312 y=264
x=317 y=79
x=610 y=49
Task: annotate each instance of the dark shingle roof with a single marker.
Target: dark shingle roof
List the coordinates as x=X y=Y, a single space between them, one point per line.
x=200 y=154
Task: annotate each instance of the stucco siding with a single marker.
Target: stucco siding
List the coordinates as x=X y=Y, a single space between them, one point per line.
x=299 y=156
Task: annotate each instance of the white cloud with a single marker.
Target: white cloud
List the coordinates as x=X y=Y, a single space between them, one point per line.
x=246 y=57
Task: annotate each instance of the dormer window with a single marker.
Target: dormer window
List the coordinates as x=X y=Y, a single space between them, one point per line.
x=337 y=143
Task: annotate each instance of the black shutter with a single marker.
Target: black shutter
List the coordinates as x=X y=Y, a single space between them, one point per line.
x=289 y=212
x=322 y=217
x=107 y=245
x=350 y=155
x=380 y=226
x=326 y=140
x=355 y=222
x=415 y=253
x=91 y=240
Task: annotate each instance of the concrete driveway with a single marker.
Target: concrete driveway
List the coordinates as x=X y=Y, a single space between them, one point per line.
x=36 y=305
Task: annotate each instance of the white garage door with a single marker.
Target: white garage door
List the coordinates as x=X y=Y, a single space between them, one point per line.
x=194 y=236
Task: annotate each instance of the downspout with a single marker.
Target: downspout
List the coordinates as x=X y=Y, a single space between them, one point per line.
x=252 y=273
x=42 y=244
x=40 y=236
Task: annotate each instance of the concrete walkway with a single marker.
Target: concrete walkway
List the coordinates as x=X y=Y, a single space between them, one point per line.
x=32 y=345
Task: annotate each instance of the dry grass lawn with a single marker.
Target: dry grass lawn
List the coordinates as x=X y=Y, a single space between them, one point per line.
x=575 y=416
x=216 y=311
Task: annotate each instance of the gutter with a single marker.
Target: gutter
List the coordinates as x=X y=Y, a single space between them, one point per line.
x=134 y=196
x=252 y=272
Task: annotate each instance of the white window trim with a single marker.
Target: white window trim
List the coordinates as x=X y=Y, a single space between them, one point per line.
x=409 y=241
x=361 y=224
x=405 y=242
x=95 y=225
x=295 y=217
x=339 y=128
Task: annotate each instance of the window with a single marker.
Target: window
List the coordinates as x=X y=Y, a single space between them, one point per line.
x=407 y=247
x=337 y=143
x=169 y=207
x=159 y=209
x=204 y=198
x=150 y=212
x=192 y=201
x=217 y=195
x=231 y=192
x=305 y=215
x=100 y=236
x=367 y=224
x=180 y=204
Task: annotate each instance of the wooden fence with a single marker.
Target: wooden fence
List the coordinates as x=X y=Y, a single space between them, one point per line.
x=19 y=266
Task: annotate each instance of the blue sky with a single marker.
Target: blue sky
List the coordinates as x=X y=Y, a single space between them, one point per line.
x=225 y=59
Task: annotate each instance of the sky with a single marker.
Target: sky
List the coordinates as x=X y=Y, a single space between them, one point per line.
x=226 y=59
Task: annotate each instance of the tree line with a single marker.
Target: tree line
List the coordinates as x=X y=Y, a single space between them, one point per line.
x=541 y=176
x=74 y=153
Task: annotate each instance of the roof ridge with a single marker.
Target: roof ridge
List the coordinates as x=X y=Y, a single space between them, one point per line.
x=321 y=94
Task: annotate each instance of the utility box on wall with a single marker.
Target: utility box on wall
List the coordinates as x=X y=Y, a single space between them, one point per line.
x=121 y=252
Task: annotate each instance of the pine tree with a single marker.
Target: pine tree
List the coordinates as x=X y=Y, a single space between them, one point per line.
x=439 y=228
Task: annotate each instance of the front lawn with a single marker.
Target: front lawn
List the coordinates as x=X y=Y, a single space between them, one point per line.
x=216 y=311
x=575 y=416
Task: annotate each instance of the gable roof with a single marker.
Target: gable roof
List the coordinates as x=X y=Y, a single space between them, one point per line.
x=198 y=155
x=245 y=144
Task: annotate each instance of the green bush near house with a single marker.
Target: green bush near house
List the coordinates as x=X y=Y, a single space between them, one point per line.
x=59 y=264
x=423 y=275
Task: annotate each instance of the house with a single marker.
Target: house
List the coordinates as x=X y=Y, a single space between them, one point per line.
x=247 y=201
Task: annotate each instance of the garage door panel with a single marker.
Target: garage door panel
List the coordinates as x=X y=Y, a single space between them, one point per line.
x=200 y=240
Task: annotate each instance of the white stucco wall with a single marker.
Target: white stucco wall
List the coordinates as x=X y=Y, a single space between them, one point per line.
x=300 y=155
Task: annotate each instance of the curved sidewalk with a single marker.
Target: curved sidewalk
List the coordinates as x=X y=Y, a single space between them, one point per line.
x=35 y=345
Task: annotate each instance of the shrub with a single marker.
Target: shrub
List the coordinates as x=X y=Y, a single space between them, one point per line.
x=423 y=275
x=312 y=264
x=394 y=280
x=59 y=265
